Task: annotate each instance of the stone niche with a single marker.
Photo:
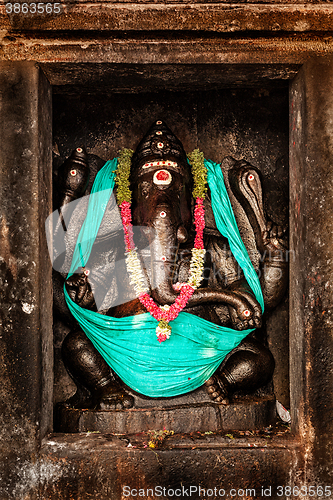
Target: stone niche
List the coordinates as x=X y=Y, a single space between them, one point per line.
x=245 y=123
x=238 y=107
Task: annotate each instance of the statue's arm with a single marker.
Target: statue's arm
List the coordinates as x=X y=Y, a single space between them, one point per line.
x=271 y=241
x=80 y=291
x=274 y=264
x=70 y=184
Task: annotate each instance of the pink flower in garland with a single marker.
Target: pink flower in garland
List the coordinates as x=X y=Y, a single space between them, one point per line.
x=186 y=290
x=158 y=313
x=199 y=221
x=128 y=236
x=126 y=217
x=151 y=306
x=180 y=302
x=126 y=214
x=178 y=286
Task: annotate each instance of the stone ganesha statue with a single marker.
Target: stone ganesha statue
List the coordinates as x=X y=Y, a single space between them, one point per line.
x=162 y=208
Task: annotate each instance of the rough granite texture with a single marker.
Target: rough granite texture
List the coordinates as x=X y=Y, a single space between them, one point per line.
x=25 y=271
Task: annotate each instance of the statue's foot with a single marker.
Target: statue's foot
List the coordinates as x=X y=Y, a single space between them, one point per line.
x=113 y=397
x=216 y=390
x=80 y=400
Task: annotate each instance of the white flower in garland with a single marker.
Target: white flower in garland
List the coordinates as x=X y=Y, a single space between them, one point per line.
x=196 y=267
x=163 y=331
x=133 y=266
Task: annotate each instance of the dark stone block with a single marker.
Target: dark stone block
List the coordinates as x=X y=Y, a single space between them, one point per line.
x=25 y=270
x=172 y=16
x=311 y=158
x=250 y=413
x=100 y=466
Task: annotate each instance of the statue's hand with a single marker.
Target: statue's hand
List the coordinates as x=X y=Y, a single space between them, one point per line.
x=246 y=313
x=275 y=240
x=80 y=291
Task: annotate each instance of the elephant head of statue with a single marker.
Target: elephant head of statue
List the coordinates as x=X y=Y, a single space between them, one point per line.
x=161 y=184
x=161 y=178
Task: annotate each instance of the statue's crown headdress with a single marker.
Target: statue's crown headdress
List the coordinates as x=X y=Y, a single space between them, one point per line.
x=159 y=148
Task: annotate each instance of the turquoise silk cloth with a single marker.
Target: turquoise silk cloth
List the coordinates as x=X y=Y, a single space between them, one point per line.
x=129 y=345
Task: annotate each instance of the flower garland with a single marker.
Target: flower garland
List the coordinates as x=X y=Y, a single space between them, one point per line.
x=163 y=314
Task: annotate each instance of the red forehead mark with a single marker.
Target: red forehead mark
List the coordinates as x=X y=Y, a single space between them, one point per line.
x=162 y=175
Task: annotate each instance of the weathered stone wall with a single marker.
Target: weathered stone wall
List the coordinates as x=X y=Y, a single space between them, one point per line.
x=25 y=275
x=311 y=155
x=222 y=17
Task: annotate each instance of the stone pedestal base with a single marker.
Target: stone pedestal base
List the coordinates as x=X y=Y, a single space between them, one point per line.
x=254 y=413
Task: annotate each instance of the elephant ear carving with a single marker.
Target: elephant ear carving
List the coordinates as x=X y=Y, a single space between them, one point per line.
x=245 y=183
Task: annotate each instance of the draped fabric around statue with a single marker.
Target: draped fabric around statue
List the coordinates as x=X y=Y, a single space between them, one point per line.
x=129 y=345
